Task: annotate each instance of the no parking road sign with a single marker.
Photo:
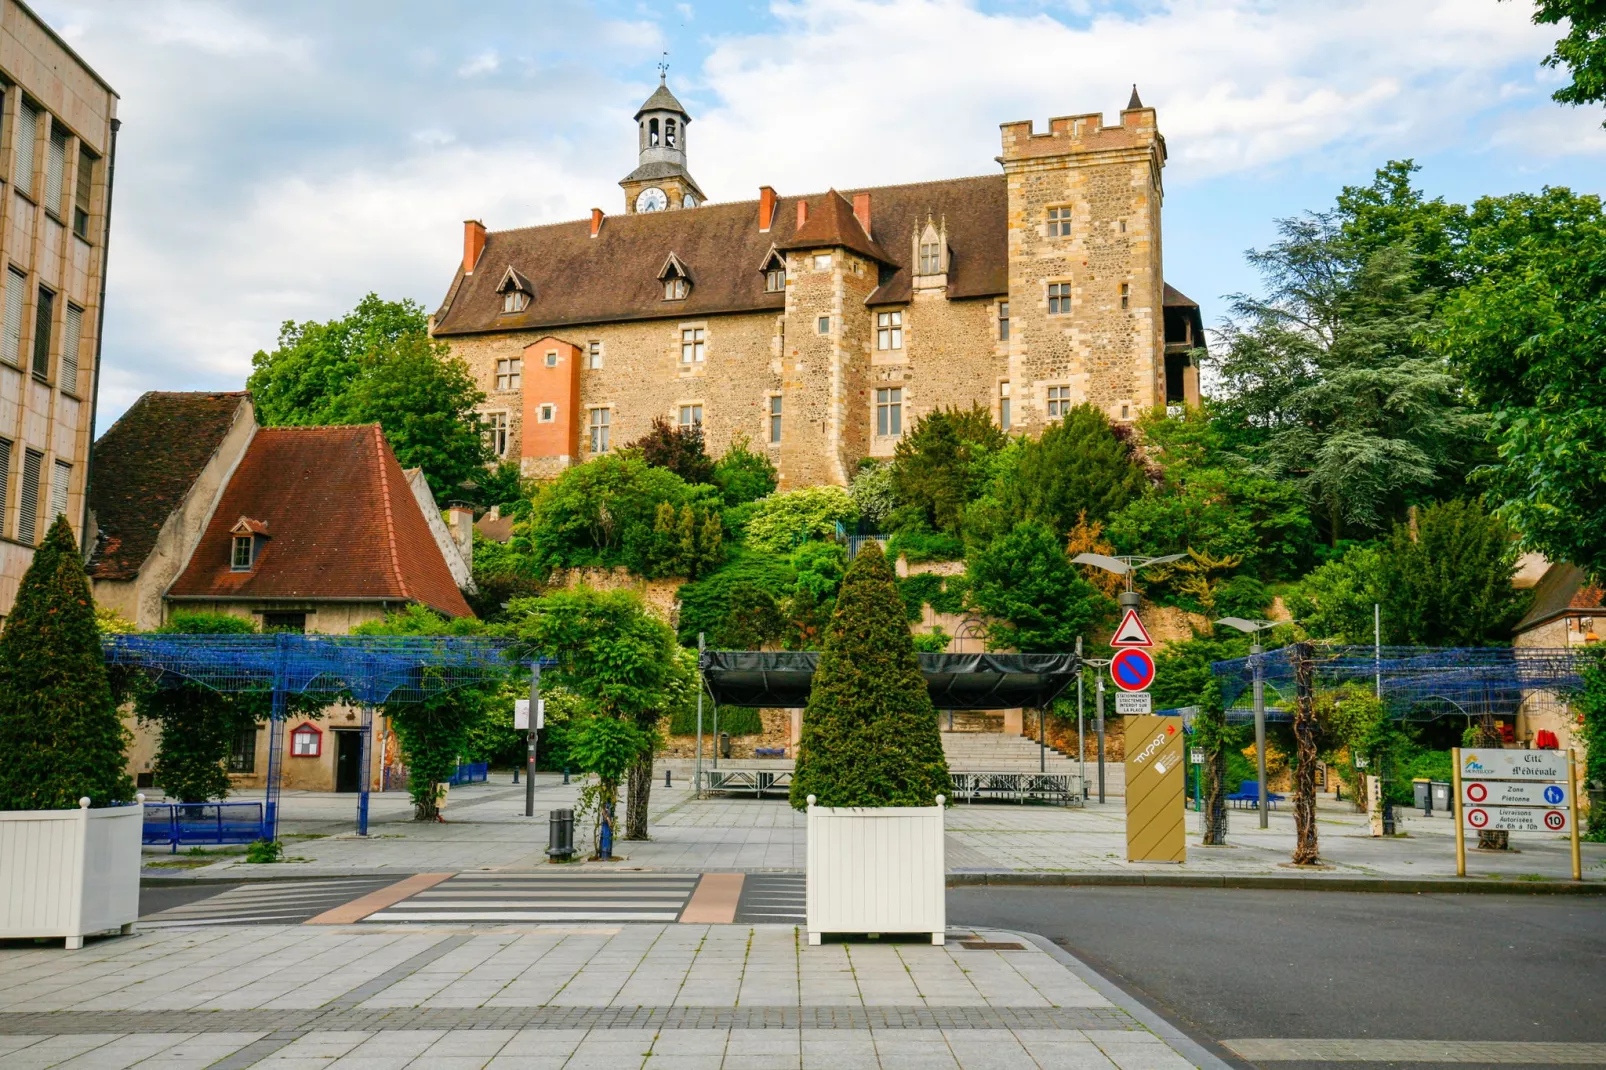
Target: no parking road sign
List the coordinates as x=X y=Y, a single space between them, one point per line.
x=1132 y=669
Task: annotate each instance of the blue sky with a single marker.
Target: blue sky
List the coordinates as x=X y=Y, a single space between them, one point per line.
x=279 y=161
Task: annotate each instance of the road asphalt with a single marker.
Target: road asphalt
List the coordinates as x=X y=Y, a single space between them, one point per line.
x=1230 y=964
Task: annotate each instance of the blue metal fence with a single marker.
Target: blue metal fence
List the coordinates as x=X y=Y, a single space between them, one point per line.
x=187 y=824
x=470 y=773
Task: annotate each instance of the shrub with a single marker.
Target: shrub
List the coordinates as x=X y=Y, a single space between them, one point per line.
x=677 y=448
x=737 y=720
x=917 y=547
x=744 y=476
x=705 y=603
x=264 y=852
x=944 y=594
x=872 y=493
x=935 y=467
x=60 y=736
x=784 y=521
x=870 y=731
x=820 y=567
x=1036 y=599
x=688 y=543
x=1079 y=465
x=602 y=513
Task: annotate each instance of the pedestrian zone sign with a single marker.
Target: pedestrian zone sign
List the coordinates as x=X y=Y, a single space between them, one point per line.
x=1515 y=790
x=1131 y=632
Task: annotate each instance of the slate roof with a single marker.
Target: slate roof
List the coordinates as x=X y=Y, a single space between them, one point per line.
x=832 y=224
x=661 y=100
x=341 y=523
x=144 y=465
x=611 y=278
x=1564 y=590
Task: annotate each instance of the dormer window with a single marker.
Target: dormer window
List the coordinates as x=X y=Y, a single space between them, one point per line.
x=245 y=544
x=774 y=269
x=931 y=250
x=930 y=258
x=516 y=291
x=676 y=279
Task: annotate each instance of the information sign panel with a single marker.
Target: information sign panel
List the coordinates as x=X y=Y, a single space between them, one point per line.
x=1515 y=819
x=1156 y=822
x=1129 y=704
x=521 y=714
x=1478 y=763
x=1513 y=793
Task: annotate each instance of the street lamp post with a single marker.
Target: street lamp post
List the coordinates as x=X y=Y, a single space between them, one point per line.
x=1254 y=628
x=1081 y=746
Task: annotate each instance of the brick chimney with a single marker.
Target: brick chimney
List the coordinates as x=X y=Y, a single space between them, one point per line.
x=802 y=213
x=473 y=244
x=861 y=210
x=596 y=222
x=766 y=208
x=460 y=520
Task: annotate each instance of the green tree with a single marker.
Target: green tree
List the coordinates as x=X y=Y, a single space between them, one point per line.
x=678 y=448
x=934 y=467
x=602 y=513
x=378 y=365
x=1590 y=705
x=744 y=476
x=1078 y=466
x=705 y=605
x=1582 y=52
x=870 y=731
x=621 y=661
x=60 y=736
x=784 y=521
x=1529 y=335
x=1335 y=600
x=872 y=492
x=1448 y=583
x=1035 y=599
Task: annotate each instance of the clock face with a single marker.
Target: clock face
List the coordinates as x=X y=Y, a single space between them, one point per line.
x=651 y=199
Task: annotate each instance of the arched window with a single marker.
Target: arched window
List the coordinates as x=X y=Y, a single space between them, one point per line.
x=669 y=133
x=652 y=133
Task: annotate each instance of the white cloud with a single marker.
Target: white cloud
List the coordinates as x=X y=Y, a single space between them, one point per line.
x=484 y=63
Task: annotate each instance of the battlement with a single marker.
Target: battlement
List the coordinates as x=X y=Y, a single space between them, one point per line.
x=1082 y=133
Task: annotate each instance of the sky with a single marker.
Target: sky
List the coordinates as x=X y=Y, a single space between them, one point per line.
x=279 y=161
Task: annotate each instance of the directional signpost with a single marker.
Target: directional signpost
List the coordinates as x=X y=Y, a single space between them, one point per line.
x=1514 y=791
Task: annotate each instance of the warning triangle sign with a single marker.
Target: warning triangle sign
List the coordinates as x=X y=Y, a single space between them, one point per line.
x=1131 y=632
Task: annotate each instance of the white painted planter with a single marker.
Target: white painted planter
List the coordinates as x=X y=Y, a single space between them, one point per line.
x=70 y=873
x=876 y=870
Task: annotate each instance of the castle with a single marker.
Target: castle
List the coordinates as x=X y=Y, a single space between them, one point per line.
x=821 y=327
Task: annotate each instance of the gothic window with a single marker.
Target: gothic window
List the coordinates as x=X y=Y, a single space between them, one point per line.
x=889 y=412
x=930 y=258
x=676 y=279
x=889 y=330
x=692 y=345
x=1059 y=298
x=515 y=290
x=1059 y=222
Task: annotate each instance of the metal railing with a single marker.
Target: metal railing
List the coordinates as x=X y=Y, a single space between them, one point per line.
x=1062 y=788
x=183 y=823
x=758 y=781
x=470 y=773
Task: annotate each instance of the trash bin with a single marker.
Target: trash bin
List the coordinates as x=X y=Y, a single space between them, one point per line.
x=1422 y=793
x=724 y=744
x=1441 y=795
x=560 y=835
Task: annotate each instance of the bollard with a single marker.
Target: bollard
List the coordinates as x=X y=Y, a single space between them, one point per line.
x=565 y=774
x=560 y=835
x=667 y=782
x=515 y=774
x=725 y=745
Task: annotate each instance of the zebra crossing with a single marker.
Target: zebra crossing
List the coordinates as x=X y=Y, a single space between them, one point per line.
x=547 y=897
x=265 y=903
x=772 y=899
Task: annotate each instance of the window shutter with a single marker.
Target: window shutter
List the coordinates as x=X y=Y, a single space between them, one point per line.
x=27 y=132
x=28 y=514
x=11 y=348
x=55 y=171
x=71 y=336
x=58 y=490
x=85 y=188
x=5 y=479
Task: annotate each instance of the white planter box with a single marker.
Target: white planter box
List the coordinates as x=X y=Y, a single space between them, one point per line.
x=69 y=873
x=876 y=870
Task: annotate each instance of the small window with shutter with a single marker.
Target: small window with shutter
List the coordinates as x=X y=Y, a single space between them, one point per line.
x=72 y=336
x=11 y=341
x=85 y=189
x=55 y=170
x=62 y=479
x=5 y=479
x=27 y=134
x=28 y=500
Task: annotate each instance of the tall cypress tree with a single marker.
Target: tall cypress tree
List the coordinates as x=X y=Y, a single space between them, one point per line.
x=60 y=736
x=870 y=731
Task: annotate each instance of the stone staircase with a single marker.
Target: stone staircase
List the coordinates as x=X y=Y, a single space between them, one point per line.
x=998 y=752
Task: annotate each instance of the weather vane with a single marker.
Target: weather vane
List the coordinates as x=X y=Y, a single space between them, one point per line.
x=663 y=68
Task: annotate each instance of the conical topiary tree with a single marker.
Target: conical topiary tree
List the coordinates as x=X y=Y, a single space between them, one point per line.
x=60 y=736
x=870 y=732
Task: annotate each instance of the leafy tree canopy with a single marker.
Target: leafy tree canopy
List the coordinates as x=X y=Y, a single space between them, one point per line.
x=934 y=467
x=677 y=447
x=1582 y=52
x=784 y=521
x=1079 y=466
x=743 y=475
x=1037 y=601
x=378 y=365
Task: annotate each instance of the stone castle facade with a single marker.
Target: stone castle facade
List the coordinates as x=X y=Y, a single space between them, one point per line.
x=821 y=327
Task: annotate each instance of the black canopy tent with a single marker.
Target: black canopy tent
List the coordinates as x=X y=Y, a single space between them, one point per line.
x=781 y=679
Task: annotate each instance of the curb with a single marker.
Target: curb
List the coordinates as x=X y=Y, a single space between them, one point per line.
x=1276 y=882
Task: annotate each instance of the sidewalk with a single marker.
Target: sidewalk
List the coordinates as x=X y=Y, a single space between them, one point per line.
x=486 y=829
x=668 y=997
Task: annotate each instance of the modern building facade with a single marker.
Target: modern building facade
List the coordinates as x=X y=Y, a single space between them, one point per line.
x=58 y=133
x=821 y=327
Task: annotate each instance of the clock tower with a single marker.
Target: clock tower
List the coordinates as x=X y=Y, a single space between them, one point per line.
x=661 y=181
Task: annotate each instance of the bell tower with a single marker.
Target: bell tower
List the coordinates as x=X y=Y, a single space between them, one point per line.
x=660 y=181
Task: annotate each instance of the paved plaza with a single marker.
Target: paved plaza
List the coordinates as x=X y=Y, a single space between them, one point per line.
x=486 y=829
x=665 y=997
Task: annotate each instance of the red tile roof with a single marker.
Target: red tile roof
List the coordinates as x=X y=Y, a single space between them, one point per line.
x=340 y=520
x=145 y=464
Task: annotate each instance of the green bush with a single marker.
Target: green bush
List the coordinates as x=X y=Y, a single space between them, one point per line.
x=782 y=522
x=744 y=476
x=737 y=720
x=917 y=547
x=263 y=852
x=601 y=513
x=870 y=732
x=60 y=736
x=939 y=465
x=872 y=493
x=1037 y=600
x=705 y=604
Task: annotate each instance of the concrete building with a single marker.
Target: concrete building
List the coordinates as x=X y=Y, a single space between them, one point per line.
x=821 y=327
x=310 y=529
x=58 y=137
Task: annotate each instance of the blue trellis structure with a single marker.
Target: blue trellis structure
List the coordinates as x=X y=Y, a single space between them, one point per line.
x=1415 y=683
x=366 y=671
